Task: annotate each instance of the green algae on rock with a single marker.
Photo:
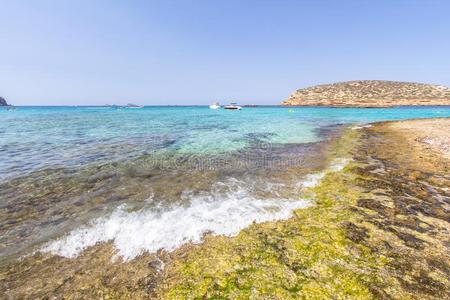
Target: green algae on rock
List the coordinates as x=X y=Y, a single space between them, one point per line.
x=309 y=255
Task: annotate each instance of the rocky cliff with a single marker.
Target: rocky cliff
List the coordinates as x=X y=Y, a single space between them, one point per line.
x=370 y=93
x=3 y=102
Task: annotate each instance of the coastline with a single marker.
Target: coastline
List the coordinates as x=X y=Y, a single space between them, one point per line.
x=428 y=134
x=377 y=230
x=363 y=106
x=371 y=93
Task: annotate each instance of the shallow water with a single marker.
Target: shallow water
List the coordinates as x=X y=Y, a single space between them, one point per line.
x=160 y=176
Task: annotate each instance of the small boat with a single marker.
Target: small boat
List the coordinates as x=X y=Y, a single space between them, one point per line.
x=232 y=106
x=215 y=105
x=131 y=105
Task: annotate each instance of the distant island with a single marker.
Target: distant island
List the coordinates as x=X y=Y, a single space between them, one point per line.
x=370 y=93
x=3 y=102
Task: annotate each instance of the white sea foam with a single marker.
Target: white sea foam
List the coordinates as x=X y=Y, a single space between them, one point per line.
x=361 y=126
x=313 y=180
x=148 y=230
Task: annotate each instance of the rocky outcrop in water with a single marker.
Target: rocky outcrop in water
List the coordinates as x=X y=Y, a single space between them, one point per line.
x=3 y=102
x=370 y=93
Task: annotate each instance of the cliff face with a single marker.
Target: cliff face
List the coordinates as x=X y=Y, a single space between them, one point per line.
x=370 y=93
x=3 y=102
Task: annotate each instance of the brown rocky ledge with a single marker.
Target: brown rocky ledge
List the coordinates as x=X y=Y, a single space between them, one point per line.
x=370 y=93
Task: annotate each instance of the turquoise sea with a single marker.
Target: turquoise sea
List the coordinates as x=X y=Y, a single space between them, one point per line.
x=158 y=177
x=34 y=138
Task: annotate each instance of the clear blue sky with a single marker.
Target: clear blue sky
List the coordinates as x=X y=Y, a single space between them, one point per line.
x=196 y=52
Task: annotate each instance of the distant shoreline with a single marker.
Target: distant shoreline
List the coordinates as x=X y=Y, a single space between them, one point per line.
x=251 y=107
x=371 y=93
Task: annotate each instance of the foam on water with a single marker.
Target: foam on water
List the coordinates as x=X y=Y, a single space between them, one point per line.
x=149 y=230
x=313 y=180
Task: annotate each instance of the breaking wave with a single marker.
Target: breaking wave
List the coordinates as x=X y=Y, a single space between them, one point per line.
x=151 y=230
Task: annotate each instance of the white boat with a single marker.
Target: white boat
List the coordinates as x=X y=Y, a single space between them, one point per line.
x=215 y=105
x=233 y=106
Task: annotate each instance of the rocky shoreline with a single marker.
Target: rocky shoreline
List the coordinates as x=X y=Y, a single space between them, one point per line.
x=427 y=135
x=370 y=93
x=379 y=229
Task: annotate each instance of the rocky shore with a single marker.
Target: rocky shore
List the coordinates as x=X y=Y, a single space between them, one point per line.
x=379 y=229
x=431 y=137
x=370 y=93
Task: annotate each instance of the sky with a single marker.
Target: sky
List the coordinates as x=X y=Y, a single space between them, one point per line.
x=90 y=52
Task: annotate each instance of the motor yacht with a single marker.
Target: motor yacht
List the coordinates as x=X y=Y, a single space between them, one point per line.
x=233 y=106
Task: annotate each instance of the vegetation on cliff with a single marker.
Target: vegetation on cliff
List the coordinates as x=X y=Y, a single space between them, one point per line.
x=370 y=93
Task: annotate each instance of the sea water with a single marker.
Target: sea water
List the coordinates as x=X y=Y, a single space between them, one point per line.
x=158 y=177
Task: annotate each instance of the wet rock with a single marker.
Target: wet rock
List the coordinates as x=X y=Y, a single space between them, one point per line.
x=409 y=239
x=115 y=198
x=355 y=233
x=374 y=205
